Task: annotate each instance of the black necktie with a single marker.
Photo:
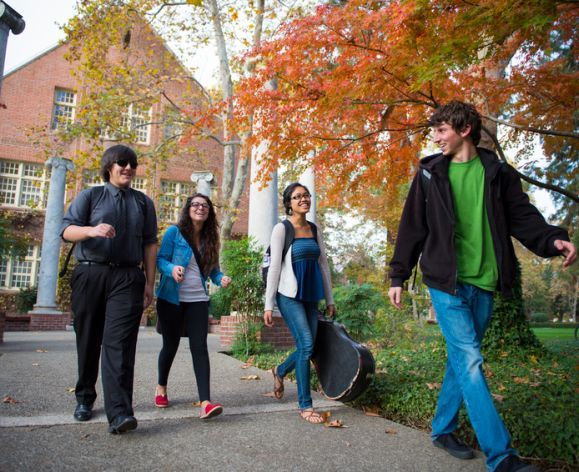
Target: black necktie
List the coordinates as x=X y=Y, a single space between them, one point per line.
x=121 y=210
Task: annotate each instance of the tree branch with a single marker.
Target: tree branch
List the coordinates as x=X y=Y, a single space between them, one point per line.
x=526 y=178
x=531 y=129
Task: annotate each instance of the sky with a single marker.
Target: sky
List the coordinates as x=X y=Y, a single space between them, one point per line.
x=43 y=20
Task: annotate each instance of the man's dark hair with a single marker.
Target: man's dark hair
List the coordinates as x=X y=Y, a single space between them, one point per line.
x=287 y=196
x=458 y=115
x=114 y=154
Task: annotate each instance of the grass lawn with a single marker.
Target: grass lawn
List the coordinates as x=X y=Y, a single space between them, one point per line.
x=561 y=334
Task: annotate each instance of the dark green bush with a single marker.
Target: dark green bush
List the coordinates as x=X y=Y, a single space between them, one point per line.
x=356 y=307
x=26 y=299
x=220 y=303
x=538 y=317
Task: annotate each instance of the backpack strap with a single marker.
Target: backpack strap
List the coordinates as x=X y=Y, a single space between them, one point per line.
x=289 y=237
x=100 y=189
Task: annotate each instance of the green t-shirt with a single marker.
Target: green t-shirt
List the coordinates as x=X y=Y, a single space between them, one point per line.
x=475 y=254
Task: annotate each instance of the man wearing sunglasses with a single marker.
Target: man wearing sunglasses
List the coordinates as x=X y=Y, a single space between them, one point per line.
x=114 y=228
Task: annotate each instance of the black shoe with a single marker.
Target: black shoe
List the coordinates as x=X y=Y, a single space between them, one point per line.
x=514 y=463
x=82 y=412
x=122 y=424
x=454 y=446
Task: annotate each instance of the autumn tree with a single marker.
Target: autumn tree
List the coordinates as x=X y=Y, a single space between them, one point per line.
x=357 y=80
x=115 y=76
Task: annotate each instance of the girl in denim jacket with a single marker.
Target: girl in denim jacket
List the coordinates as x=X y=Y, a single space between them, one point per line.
x=189 y=251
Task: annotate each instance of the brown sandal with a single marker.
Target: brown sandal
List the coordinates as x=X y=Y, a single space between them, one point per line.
x=311 y=416
x=277 y=384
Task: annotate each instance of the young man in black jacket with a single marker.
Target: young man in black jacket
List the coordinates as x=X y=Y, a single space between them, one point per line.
x=461 y=211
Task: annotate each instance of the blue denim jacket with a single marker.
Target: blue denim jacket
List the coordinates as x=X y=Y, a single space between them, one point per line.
x=175 y=250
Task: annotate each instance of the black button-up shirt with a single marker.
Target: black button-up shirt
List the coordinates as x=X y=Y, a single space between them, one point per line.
x=98 y=205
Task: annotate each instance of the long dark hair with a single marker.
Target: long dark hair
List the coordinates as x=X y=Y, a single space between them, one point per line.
x=209 y=234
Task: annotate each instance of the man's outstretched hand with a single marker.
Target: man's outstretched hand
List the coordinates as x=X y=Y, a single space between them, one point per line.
x=568 y=250
x=395 y=294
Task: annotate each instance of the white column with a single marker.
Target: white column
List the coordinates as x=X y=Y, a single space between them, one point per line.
x=263 y=212
x=308 y=178
x=48 y=275
x=203 y=181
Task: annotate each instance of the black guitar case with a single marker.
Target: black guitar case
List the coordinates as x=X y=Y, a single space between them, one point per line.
x=344 y=366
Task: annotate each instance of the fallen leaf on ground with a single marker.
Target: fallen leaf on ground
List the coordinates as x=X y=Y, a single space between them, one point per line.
x=501 y=388
x=325 y=415
x=71 y=389
x=433 y=385
x=35 y=364
x=498 y=397
x=371 y=411
x=268 y=394
x=196 y=403
x=335 y=424
x=41 y=350
x=9 y=399
x=250 y=377
x=391 y=431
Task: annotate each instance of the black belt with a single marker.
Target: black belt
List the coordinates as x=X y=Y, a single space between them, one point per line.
x=110 y=264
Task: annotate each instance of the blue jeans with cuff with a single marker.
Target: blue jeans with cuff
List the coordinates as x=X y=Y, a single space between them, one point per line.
x=463 y=319
x=302 y=320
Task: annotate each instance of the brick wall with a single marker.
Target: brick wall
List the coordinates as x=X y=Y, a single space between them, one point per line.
x=278 y=335
x=49 y=322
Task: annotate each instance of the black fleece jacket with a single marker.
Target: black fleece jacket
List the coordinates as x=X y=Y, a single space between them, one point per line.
x=427 y=225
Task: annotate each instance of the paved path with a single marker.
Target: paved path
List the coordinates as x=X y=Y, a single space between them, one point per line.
x=255 y=433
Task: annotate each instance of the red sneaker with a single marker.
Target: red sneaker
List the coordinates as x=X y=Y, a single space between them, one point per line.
x=161 y=401
x=210 y=410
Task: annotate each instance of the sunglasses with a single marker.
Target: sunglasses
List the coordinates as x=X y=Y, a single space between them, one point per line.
x=124 y=162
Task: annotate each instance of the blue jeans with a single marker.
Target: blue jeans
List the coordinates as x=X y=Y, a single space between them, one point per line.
x=302 y=320
x=463 y=319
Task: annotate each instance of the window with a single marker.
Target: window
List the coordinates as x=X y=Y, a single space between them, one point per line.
x=134 y=120
x=63 y=109
x=172 y=199
x=20 y=272
x=23 y=184
x=92 y=178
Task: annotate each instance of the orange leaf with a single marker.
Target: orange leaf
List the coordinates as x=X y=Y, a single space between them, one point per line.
x=10 y=400
x=391 y=431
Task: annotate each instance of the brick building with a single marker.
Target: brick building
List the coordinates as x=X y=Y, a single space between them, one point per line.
x=44 y=94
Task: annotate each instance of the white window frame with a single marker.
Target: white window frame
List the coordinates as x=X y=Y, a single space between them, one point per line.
x=60 y=121
x=26 y=173
x=171 y=202
x=133 y=120
x=9 y=266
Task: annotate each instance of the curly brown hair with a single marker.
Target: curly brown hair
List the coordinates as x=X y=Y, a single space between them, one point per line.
x=209 y=237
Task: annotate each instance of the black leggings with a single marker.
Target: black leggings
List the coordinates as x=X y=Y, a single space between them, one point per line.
x=197 y=319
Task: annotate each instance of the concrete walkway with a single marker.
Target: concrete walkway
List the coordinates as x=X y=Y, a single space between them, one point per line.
x=255 y=433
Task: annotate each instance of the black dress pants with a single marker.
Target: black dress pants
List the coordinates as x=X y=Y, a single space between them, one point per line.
x=107 y=303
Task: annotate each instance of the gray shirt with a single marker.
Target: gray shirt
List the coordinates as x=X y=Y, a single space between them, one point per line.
x=98 y=205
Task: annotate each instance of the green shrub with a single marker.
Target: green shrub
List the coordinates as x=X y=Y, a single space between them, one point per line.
x=242 y=262
x=220 y=304
x=356 y=307
x=538 y=317
x=26 y=299
x=247 y=341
